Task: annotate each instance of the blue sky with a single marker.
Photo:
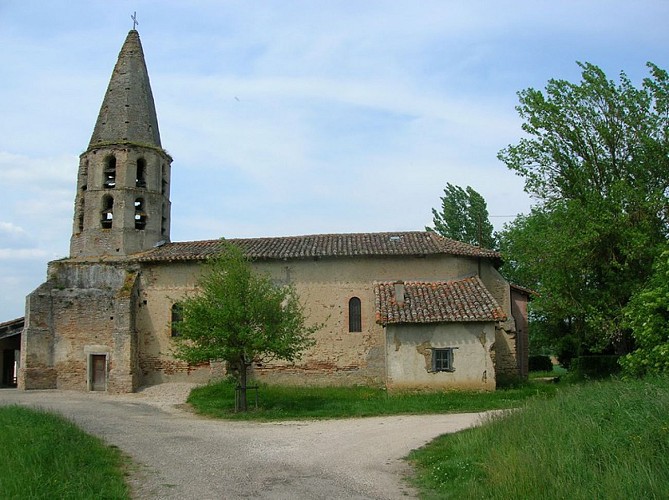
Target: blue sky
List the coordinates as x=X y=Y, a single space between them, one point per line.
x=292 y=117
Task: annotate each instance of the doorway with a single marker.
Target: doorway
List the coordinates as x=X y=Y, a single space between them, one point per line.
x=9 y=360
x=98 y=372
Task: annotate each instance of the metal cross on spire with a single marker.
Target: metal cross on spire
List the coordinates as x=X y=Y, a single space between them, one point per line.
x=134 y=20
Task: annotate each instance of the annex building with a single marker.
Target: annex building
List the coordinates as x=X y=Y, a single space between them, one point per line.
x=400 y=309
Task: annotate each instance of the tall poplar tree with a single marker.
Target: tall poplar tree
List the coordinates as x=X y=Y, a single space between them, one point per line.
x=463 y=217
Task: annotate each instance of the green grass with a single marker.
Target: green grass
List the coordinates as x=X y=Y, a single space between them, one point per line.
x=596 y=440
x=44 y=456
x=282 y=402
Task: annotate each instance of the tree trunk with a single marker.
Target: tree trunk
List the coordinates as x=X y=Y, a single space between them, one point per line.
x=243 y=406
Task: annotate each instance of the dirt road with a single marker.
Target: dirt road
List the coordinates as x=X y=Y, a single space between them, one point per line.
x=184 y=456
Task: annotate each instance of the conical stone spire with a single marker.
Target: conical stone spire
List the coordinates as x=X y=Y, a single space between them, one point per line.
x=122 y=205
x=128 y=113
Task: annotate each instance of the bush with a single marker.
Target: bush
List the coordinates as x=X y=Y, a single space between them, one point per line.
x=540 y=364
x=596 y=366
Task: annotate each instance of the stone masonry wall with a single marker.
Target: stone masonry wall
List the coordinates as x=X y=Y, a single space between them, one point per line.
x=82 y=310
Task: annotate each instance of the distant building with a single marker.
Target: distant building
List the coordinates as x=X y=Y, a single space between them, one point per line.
x=401 y=309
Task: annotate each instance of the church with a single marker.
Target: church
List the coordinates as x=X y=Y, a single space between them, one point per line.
x=402 y=310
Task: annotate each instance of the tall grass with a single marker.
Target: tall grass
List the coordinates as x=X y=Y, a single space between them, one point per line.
x=598 y=440
x=285 y=402
x=45 y=456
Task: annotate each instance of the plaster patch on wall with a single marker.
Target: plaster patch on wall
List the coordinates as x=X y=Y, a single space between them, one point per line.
x=425 y=349
x=482 y=338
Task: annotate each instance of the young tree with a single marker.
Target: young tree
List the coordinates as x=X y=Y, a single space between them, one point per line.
x=596 y=158
x=648 y=316
x=463 y=217
x=241 y=317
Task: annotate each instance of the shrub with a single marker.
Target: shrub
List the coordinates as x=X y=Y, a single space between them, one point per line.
x=596 y=366
x=540 y=364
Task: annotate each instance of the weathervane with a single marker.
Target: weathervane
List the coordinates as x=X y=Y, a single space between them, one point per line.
x=134 y=20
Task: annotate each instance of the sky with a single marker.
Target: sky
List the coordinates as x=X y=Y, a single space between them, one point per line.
x=292 y=117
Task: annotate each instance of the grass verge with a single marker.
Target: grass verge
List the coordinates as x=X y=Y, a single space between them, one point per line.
x=595 y=440
x=44 y=456
x=281 y=402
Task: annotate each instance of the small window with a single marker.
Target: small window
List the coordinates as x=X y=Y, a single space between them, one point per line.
x=354 y=315
x=163 y=221
x=163 y=182
x=177 y=317
x=110 y=172
x=140 y=178
x=140 y=214
x=81 y=210
x=442 y=360
x=107 y=214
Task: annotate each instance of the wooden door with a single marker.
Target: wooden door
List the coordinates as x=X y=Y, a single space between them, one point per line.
x=98 y=372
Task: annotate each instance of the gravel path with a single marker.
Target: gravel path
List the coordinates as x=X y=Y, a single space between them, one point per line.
x=181 y=455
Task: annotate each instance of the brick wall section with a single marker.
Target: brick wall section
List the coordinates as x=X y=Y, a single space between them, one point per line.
x=504 y=354
x=82 y=309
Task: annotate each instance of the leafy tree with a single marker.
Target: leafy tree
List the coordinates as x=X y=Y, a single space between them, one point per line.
x=647 y=314
x=463 y=217
x=596 y=159
x=241 y=317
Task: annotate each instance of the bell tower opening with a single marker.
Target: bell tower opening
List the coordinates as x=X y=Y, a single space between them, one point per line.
x=110 y=172
x=140 y=178
x=107 y=214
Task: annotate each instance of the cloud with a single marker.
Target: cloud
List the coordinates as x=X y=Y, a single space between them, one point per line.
x=13 y=237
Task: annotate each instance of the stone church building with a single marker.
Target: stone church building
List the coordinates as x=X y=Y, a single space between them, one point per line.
x=400 y=309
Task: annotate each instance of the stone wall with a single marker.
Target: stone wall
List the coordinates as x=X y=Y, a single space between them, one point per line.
x=506 y=362
x=82 y=310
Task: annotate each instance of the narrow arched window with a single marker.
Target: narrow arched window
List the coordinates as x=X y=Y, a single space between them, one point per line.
x=163 y=221
x=176 y=318
x=140 y=178
x=107 y=213
x=354 y=315
x=163 y=179
x=81 y=210
x=140 y=214
x=110 y=172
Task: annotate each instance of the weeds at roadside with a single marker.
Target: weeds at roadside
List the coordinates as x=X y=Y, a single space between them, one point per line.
x=593 y=440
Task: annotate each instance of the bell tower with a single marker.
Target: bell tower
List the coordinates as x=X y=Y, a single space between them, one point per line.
x=122 y=205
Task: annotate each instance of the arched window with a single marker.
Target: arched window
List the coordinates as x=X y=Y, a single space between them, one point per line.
x=163 y=179
x=140 y=214
x=140 y=178
x=176 y=318
x=81 y=210
x=354 y=315
x=107 y=213
x=110 y=172
x=163 y=221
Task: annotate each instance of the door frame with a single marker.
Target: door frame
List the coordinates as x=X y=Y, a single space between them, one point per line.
x=90 y=379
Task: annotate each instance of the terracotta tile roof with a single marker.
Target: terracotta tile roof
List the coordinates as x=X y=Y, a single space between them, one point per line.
x=436 y=302
x=322 y=245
